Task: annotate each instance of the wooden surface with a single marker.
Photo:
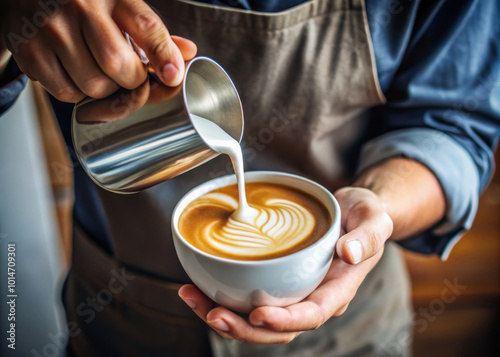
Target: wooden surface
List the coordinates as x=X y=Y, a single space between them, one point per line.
x=466 y=323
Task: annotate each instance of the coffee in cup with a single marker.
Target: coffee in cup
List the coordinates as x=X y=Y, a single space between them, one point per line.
x=268 y=241
x=287 y=220
x=242 y=285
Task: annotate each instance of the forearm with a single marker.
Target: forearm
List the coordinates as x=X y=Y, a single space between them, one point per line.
x=409 y=192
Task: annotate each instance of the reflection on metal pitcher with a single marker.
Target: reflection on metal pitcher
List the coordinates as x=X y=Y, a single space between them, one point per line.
x=135 y=139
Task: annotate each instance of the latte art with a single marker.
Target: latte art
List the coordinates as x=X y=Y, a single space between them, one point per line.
x=279 y=225
x=283 y=222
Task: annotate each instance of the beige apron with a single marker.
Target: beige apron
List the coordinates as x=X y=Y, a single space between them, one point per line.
x=305 y=77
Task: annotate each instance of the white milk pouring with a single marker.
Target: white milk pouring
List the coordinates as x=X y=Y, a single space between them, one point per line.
x=222 y=142
x=254 y=230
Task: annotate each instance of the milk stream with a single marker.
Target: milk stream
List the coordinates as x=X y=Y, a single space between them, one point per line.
x=269 y=226
x=224 y=143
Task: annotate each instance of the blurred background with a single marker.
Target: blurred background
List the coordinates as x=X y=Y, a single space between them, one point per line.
x=456 y=303
x=470 y=324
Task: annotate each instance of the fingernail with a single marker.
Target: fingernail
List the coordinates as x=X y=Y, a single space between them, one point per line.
x=189 y=302
x=258 y=323
x=169 y=72
x=219 y=324
x=356 y=250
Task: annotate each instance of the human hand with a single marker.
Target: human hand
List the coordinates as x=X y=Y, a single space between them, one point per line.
x=123 y=102
x=76 y=48
x=365 y=228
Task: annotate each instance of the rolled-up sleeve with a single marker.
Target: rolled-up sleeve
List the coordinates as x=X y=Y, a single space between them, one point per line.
x=15 y=82
x=439 y=67
x=453 y=167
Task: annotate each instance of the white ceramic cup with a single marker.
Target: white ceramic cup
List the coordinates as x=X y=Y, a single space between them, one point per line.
x=244 y=285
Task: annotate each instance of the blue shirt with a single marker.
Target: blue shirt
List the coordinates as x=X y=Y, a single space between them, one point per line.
x=438 y=64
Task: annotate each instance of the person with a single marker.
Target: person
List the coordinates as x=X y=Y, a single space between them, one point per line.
x=392 y=105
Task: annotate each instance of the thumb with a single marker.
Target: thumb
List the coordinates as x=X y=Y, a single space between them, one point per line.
x=188 y=48
x=366 y=238
x=147 y=29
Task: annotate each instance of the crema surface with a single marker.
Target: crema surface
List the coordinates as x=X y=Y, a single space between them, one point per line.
x=287 y=220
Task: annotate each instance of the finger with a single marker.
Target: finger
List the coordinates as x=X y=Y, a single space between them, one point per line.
x=196 y=300
x=81 y=66
x=227 y=323
x=366 y=223
x=48 y=71
x=238 y=328
x=187 y=47
x=374 y=227
x=160 y=93
x=303 y=316
x=111 y=51
x=148 y=31
x=341 y=310
x=200 y=304
x=309 y=314
x=114 y=107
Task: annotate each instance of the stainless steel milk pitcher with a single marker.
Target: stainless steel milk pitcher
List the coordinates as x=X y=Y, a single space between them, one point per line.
x=135 y=139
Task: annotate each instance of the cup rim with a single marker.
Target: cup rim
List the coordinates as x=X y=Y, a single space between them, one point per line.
x=230 y=179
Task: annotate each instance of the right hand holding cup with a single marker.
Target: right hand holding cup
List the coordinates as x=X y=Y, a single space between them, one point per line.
x=364 y=222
